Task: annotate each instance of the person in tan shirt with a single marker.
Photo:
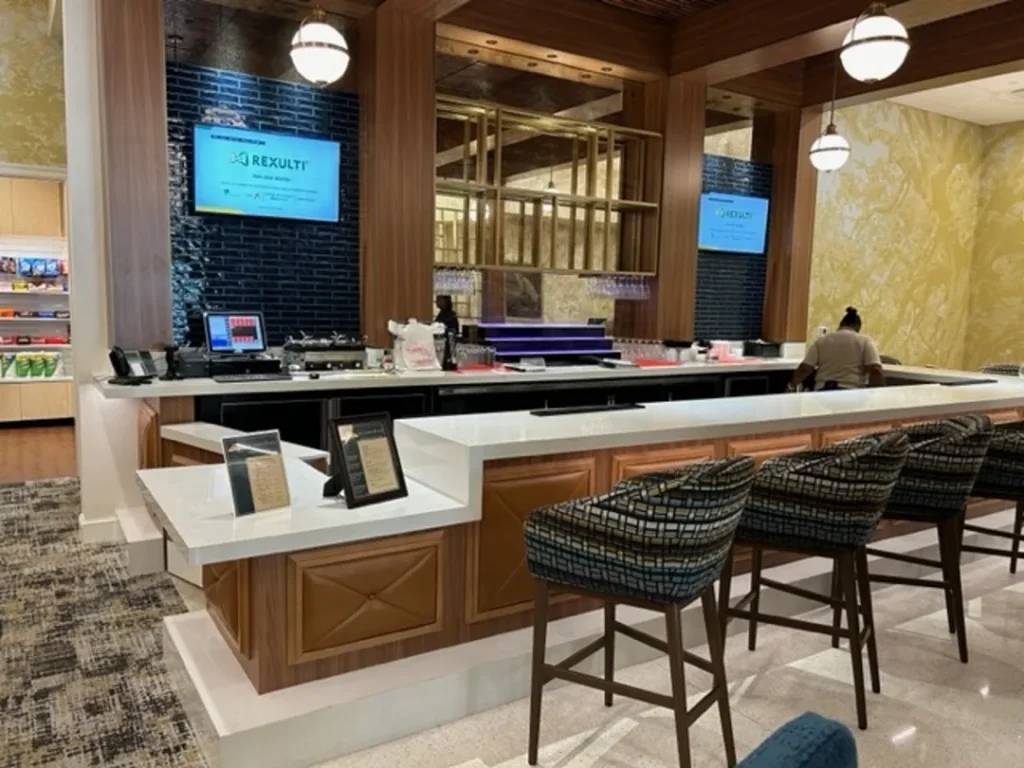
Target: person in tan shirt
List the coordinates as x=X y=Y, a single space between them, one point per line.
x=843 y=359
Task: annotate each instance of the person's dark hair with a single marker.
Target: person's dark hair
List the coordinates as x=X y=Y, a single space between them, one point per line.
x=444 y=303
x=851 y=319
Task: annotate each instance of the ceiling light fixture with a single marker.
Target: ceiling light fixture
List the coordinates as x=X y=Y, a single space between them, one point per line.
x=831 y=150
x=319 y=51
x=875 y=47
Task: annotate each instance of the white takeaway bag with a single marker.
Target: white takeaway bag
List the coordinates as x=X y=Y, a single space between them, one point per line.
x=414 y=345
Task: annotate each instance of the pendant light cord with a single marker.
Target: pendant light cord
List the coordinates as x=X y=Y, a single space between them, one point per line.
x=835 y=88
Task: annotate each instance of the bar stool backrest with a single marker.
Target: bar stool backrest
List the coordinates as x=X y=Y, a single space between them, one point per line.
x=1002 y=474
x=834 y=495
x=942 y=466
x=662 y=536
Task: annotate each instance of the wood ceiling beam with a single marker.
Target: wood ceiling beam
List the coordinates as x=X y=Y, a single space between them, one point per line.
x=431 y=9
x=979 y=44
x=778 y=88
x=583 y=34
x=741 y=37
x=351 y=9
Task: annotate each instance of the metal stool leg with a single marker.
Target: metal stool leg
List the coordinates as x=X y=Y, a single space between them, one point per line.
x=755 y=603
x=1018 y=530
x=674 y=637
x=837 y=609
x=848 y=578
x=949 y=544
x=716 y=653
x=609 y=649
x=540 y=635
x=864 y=581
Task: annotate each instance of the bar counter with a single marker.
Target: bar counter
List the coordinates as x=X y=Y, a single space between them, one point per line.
x=316 y=590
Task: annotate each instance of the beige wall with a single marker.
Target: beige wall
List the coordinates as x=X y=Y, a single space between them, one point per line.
x=995 y=330
x=895 y=231
x=31 y=86
x=735 y=143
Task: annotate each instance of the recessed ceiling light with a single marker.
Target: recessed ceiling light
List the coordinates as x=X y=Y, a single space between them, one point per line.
x=606 y=69
x=552 y=55
x=586 y=76
x=491 y=42
x=726 y=97
x=532 y=65
x=473 y=51
x=736 y=109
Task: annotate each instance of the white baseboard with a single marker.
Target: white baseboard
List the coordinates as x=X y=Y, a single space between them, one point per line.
x=101 y=530
x=143 y=539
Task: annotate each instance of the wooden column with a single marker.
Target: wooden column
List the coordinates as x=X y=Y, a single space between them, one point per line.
x=675 y=108
x=397 y=146
x=133 y=94
x=791 y=225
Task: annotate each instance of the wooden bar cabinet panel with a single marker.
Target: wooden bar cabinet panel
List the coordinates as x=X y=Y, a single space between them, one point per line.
x=760 y=449
x=631 y=463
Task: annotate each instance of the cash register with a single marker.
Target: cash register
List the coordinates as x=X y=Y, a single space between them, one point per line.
x=237 y=347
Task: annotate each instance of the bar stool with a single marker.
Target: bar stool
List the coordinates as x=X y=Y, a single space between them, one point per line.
x=942 y=466
x=824 y=503
x=1003 y=369
x=657 y=542
x=1002 y=477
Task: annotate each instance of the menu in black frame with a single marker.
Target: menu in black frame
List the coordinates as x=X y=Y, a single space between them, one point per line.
x=364 y=453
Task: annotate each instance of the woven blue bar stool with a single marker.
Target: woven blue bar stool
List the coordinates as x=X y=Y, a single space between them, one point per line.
x=824 y=503
x=656 y=542
x=1002 y=477
x=938 y=478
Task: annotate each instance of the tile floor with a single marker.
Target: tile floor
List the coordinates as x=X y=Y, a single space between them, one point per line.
x=933 y=711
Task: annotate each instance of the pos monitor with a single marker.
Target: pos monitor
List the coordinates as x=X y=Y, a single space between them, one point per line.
x=235 y=333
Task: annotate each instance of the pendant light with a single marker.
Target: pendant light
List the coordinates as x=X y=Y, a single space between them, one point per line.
x=319 y=51
x=831 y=150
x=875 y=47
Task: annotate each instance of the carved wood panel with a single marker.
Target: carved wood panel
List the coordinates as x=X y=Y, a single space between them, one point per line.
x=833 y=436
x=762 y=448
x=342 y=599
x=498 y=581
x=630 y=463
x=227 y=589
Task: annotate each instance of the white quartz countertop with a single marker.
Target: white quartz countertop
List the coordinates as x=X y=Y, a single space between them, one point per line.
x=516 y=434
x=193 y=504
x=380 y=380
x=207 y=437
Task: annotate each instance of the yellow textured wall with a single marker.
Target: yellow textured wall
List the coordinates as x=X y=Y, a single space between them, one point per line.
x=995 y=331
x=735 y=143
x=894 y=231
x=31 y=86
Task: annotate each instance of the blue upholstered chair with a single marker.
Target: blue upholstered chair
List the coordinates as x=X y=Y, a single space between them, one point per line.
x=657 y=542
x=824 y=503
x=809 y=741
x=939 y=476
x=1002 y=477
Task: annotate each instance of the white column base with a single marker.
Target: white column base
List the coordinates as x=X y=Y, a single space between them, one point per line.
x=102 y=530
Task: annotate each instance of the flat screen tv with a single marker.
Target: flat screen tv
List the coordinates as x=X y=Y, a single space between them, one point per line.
x=240 y=172
x=732 y=223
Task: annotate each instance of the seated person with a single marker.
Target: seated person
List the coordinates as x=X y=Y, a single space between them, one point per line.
x=843 y=359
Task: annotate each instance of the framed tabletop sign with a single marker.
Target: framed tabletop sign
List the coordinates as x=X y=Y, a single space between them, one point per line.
x=364 y=455
x=256 y=472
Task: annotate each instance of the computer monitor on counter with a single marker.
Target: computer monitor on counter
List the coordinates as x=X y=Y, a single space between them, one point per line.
x=235 y=333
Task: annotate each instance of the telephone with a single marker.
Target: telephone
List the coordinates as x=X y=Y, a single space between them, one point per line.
x=133 y=367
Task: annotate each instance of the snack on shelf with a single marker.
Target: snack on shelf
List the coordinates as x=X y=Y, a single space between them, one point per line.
x=7 y=365
x=6 y=312
x=63 y=314
x=52 y=268
x=8 y=265
x=51 y=360
x=22 y=365
x=8 y=340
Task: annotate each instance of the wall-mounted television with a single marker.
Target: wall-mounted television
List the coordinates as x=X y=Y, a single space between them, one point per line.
x=732 y=223
x=241 y=172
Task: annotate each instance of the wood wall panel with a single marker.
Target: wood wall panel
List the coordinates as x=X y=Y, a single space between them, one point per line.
x=630 y=463
x=343 y=599
x=6 y=211
x=228 y=600
x=675 y=108
x=150 y=451
x=10 y=402
x=760 y=449
x=134 y=99
x=833 y=436
x=36 y=208
x=498 y=581
x=45 y=400
x=791 y=225
x=396 y=180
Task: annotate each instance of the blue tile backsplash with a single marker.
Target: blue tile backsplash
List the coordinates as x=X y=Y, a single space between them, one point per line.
x=730 y=286
x=301 y=275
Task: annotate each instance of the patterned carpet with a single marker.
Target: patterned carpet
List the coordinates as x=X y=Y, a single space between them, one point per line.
x=82 y=682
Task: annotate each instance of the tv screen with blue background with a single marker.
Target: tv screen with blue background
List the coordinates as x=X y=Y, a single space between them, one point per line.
x=254 y=173
x=732 y=223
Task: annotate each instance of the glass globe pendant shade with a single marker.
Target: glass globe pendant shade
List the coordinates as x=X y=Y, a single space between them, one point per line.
x=319 y=51
x=830 y=151
x=875 y=47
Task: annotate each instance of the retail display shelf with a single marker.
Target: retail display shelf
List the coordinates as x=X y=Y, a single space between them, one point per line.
x=9 y=347
x=36 y=380
x=35 y=319
x=12 y=292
